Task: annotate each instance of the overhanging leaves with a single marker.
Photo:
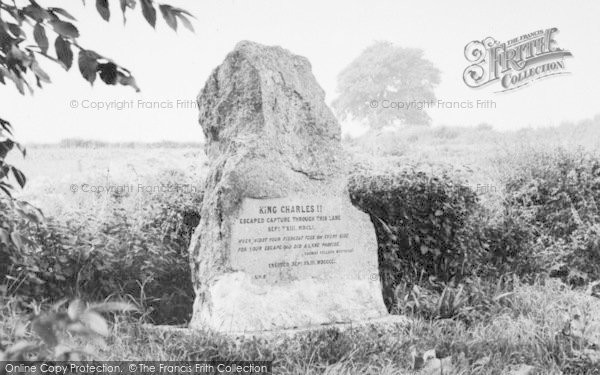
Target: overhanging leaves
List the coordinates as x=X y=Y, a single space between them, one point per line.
x=149 y=12
x=39 y=72
x=169 y=16
x=62 y=12
x=103 y=9
x=64 y=52
x=126 y=4
x=186 y=22
x=5 y=125
x=65 y=29
x=172 y=14
x=36 y=12
x=108 y=73
x=19 y=176
x=88 y=65
x=5 y=146
x=39 y=34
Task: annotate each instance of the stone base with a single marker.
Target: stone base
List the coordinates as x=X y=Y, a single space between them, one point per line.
x=240 y=305
x=391 y=322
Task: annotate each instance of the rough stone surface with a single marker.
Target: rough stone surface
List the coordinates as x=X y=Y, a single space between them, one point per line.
x=389 y=324
x=272 y=141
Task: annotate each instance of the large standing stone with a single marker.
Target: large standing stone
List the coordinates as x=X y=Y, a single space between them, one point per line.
x=279 y=244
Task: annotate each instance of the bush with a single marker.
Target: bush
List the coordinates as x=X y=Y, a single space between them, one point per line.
x=446 y=132
x=421 y=221
x=555 y=197
x=137 y=252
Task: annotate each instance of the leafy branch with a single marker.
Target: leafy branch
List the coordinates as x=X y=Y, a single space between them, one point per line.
x=19 y=55
x=26 y=32
x=79 y=318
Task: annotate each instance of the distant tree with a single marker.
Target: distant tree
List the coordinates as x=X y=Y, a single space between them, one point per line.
x=26 y=28
x=384 y=74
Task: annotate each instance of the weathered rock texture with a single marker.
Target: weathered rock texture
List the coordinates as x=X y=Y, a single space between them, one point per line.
x=269 y=134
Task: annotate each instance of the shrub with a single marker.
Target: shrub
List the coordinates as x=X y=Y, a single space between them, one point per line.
x=139 y=252
x=484 y=126
x=422 y=223
x=78 y=319
x=556 y=198
x=446 y=132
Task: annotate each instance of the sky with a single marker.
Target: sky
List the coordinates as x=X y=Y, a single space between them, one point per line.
x=171 y=68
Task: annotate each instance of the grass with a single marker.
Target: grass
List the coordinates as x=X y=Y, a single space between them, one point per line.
x=528 y=330
x=534 y=325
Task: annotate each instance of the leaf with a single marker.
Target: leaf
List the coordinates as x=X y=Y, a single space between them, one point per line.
x=4 y=237
x=39 y=34
x=19 y=176
x=64 y=52
x=149 y=12
x=78 y=327
x=103 y=9
x=6 y=188
x=20 y=329
x=20 y=348
x=5 y=147
x=108 y=73
x=127 y=4
x=16 y=240
x=58 y=304
x=21 y=148
x=186 y=22
x=95 y=322
x=169 y=16
x=123 y=10
x=5 y=125
x=88 y=65
x=128 y=81
x=36 y=12
x=16 y=30
x=65 y=29
x=42 y=325
x=19 y=83
x=75 y=309
x=39 y=72
x=62 y=12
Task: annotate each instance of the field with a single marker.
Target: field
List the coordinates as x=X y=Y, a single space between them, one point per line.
x=136 y=198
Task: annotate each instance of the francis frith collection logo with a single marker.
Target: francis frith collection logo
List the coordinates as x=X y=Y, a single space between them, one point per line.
x=515 y=63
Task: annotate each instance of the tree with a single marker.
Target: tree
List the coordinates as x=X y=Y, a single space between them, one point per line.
x=378 y=86
x=26 y=31
x=19 y=60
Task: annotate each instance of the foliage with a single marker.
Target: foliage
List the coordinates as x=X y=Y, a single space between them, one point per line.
x=79 y=319
x=7 y=143
x=384 y=72
x=25 y=36
x=19 y=61
x=14 y=216
x=555 y=196
x=471 y=300
x=546 y=325
x=421 y=222
x=139 y=254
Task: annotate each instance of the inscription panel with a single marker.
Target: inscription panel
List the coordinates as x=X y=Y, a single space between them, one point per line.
x=291 y=238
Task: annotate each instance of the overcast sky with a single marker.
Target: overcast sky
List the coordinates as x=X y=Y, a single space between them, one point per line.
x=171 y=67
